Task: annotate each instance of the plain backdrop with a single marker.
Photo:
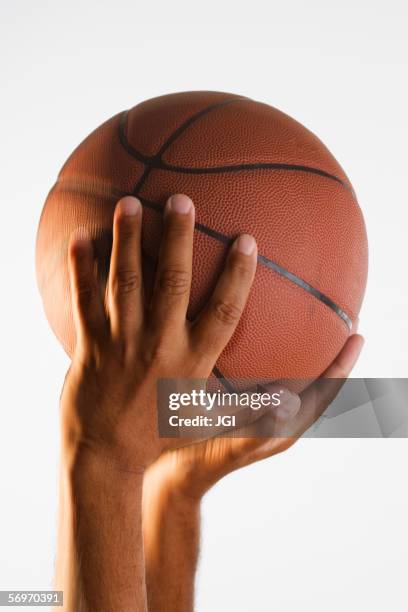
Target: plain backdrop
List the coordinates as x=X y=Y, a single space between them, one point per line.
x=323 y=526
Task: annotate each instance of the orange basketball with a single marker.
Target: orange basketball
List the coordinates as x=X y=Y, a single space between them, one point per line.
x=248 y=168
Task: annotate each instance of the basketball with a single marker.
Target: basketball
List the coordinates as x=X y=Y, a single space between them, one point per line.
x=249 y=168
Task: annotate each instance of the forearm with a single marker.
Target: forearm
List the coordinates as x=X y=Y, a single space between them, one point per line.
x=171 y=530
x=100 y=564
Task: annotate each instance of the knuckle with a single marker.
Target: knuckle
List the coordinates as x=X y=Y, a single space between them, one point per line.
x=240 y=268
x=227 y=312
x=126 y=281
x=178 y=227
x=174 y=281
x=155 y=353
x=84 y=291
x=124 y=352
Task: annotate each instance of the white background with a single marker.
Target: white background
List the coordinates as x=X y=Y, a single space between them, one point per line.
x=324 y=525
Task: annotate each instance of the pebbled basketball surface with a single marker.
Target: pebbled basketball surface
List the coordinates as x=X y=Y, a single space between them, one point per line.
x=248 y=168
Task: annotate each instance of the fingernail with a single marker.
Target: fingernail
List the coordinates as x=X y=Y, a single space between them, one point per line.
x=80 y=238
x=180 y=204
x=245 y=244
x=129 y=206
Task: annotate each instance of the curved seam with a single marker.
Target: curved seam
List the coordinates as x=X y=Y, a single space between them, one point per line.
x=212 y=233
x=250 y=167
x=268 y=263
x=227 y=384
x=147 y=160
x=155 y=161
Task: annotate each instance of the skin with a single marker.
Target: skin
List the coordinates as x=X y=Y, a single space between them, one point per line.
x=110 y=448
x=108 y=418
x=176 y=483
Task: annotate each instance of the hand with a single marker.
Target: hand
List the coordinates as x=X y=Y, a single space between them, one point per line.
x=122 y=348
x=192 y=470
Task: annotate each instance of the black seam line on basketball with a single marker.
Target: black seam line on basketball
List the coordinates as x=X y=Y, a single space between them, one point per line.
x=268 y=263
x=159 y=164
x=251 y=168
x=173 y=136
x=177 y=132
x=142 y=180
x=155 y=161
x=224 y=381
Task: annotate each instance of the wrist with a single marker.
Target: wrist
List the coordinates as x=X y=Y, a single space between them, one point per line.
x=166 y=508
x=89 y=471
x=166 y=483
x=98 y=454
x=109 y=443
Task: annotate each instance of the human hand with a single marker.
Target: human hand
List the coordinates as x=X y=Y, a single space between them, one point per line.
x=122 y=348
x=190 y=471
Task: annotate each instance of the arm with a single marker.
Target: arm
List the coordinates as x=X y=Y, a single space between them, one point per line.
x=171 y=541
x=100 y=562
x=175 y=484
x=108 y=421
